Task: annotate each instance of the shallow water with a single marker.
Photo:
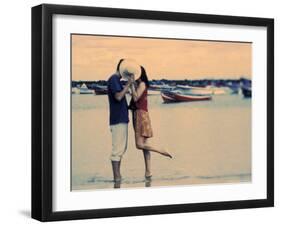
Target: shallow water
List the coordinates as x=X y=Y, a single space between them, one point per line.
x=210 y=142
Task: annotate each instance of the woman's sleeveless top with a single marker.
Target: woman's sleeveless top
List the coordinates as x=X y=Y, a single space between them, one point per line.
x=142 y=101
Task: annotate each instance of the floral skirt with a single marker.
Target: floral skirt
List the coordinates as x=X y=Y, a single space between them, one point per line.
x=142 y=124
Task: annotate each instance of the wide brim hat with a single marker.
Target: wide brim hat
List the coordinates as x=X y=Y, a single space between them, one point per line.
x=129 y=67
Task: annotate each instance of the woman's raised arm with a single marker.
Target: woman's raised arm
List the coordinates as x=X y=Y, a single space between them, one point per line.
x=137 y=92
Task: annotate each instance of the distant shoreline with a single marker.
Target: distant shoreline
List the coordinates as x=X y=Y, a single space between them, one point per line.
x=174 y=82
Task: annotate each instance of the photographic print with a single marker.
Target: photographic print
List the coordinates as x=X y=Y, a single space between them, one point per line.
x=151 y=112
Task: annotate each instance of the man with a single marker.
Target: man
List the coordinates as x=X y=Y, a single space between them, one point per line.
x=118 y=119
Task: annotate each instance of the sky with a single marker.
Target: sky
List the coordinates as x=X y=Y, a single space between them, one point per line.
x=95 y=57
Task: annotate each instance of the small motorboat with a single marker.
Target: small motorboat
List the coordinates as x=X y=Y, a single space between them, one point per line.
x=178 y=96
x=234 y=89
x=161 y=87
x=193 y=90
x=246 y=87
x=84 y=89
x=219 y=90
x=74 y=90
x=153 y=92
x=100 y=90
x=246 y=91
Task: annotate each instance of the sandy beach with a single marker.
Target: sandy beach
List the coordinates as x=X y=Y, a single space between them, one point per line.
x=210 y=142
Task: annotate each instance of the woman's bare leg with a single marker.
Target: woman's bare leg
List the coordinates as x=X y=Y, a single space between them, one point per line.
x=147 y=161
x=142 y=145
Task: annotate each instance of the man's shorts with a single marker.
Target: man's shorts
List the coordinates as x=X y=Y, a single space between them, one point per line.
x=119 y=134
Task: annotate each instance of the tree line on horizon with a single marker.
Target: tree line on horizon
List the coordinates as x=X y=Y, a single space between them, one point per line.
x=173 y=82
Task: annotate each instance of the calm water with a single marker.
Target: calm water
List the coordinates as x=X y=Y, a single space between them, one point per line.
x=210 y=142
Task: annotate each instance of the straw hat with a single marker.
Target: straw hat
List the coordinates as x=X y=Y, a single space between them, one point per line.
x=129 y=67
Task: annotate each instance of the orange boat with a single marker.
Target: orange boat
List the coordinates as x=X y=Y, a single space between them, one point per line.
x=176 y=96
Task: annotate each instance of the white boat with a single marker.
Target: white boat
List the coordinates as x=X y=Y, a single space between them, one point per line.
x=219 y=90
x=74 y=90
x=162 y=87
x=153 y=92
x=195 y=90
x=84 y=89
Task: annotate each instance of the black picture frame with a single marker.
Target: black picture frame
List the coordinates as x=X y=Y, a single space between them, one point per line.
x=42 y=107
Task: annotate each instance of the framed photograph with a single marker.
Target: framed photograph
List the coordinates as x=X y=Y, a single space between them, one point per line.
x=146 y=112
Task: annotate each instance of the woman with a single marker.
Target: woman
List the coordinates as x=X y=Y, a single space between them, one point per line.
x=141 y=120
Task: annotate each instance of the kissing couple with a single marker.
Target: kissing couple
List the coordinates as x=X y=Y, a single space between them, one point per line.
x=137 y=84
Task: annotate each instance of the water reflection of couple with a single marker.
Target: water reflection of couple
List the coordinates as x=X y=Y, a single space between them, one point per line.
x=129 y=70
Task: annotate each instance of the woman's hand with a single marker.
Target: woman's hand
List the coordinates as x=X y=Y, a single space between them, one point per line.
x=130 y=80
x=137 y=93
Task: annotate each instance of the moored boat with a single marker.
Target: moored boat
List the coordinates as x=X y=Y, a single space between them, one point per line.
x=246 y=91
x=177 y=96
x=84 y=89
x=246 y=87
x=74 y=90
x=193 y=90
x=219 y=90
x=162 y=87
x=100 y=90
x=153 y=92
x=234 y=89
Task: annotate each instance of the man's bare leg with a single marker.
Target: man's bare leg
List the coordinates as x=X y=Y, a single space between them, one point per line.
x=116 y=170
